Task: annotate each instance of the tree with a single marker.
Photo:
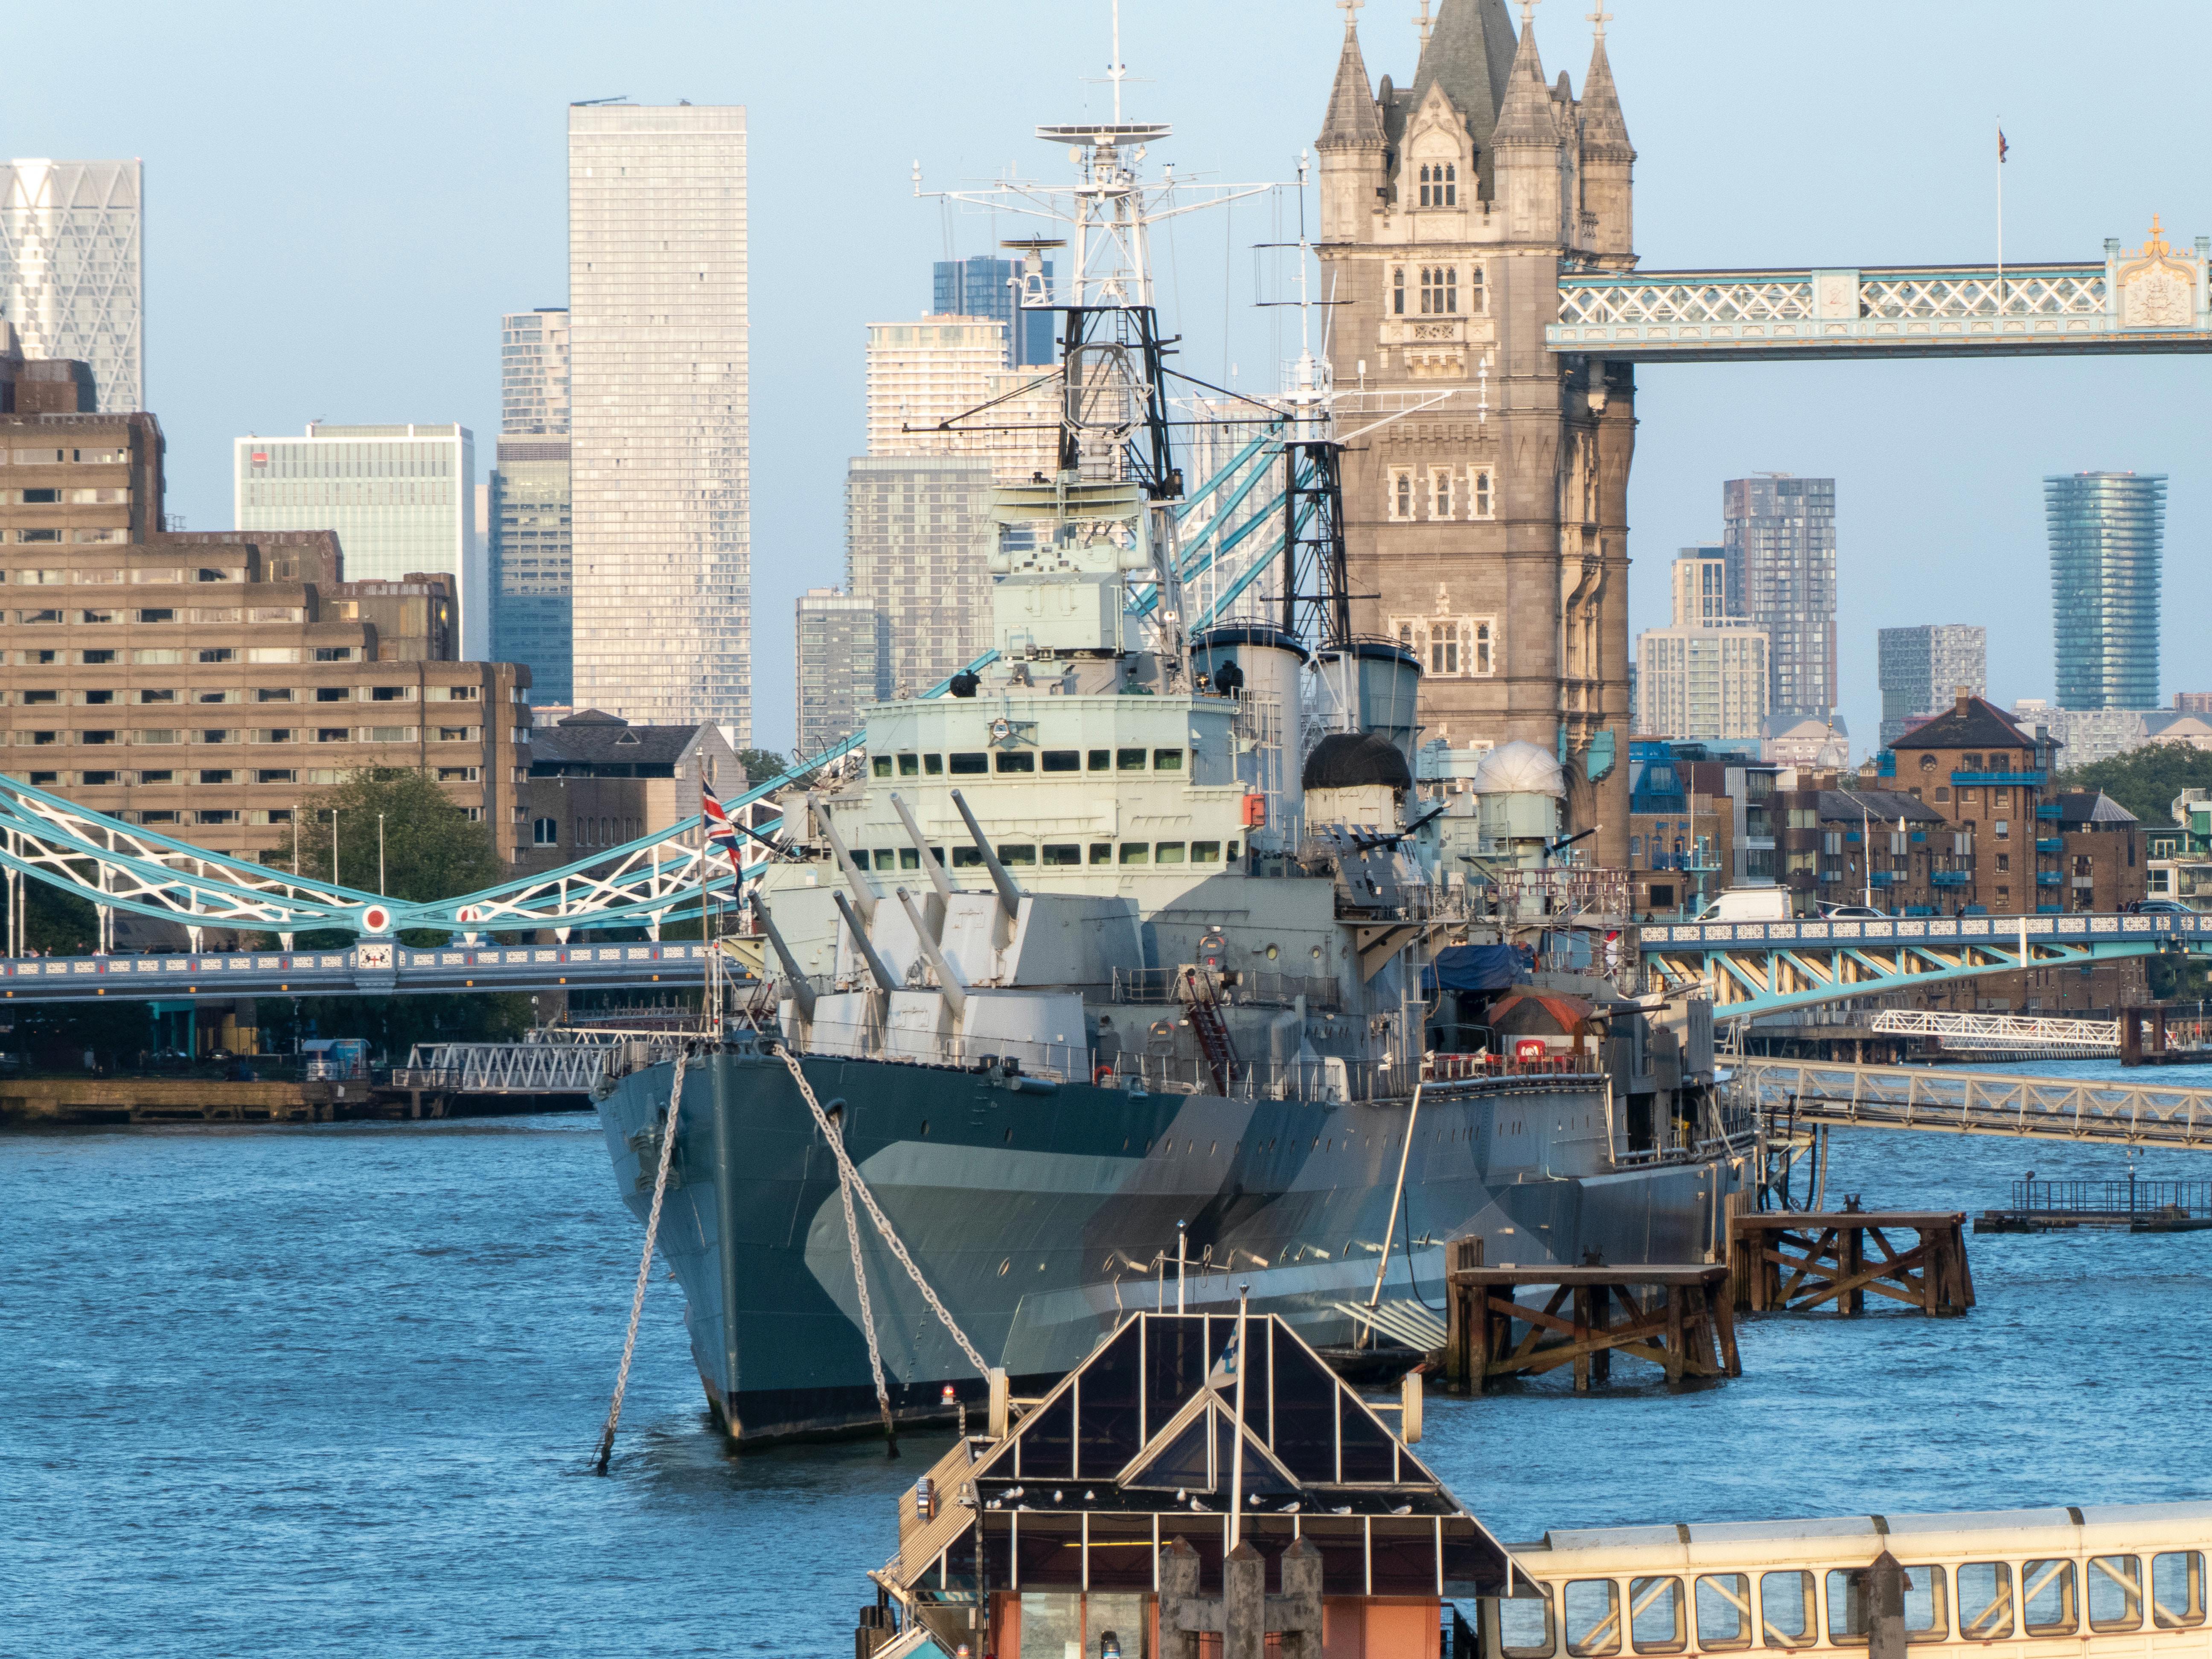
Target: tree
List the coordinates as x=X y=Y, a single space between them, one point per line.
x=2144 y=780
x=762 y=764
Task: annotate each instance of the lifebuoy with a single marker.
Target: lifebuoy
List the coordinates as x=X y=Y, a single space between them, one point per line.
x=1103 y=1076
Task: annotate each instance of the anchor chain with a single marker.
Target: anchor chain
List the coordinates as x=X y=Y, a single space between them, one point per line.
x=867 y=1313
x=644 y=1264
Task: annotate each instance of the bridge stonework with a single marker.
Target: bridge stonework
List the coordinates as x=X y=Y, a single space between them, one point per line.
x=1487 y=532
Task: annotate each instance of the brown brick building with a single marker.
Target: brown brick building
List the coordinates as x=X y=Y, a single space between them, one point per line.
x=203 y=684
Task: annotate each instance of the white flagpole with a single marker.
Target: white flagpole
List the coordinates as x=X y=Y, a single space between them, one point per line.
x=2001 y=152
x=1236 y=1457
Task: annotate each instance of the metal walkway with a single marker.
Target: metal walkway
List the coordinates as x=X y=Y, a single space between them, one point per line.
x=364 y=970
x=2151 y=299
x=1752 y=969
x=1799 y=1094
x=1963 y=1030
x=549 y=1063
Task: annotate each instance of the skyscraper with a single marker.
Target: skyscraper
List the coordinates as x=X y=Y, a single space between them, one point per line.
x=1779 y=539
x=985 y=287
x=72 y=269
x=1701 y=684
x=401 y=498
x=2106 y=530
x=531 y=532
x=918 y=542
x=1700 y=576
x=932 y=370
x=844 y=665
x=1923 y=669
x=659 y=411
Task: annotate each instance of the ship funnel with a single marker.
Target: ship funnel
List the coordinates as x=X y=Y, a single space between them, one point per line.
x=1263 y=668
x=1380 y=683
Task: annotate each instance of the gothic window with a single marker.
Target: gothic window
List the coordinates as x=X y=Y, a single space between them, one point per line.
x=1483 y=629
x=1484 y=493
x=1452 y=184
x=1397 y=290
x=1478 y=297
x=1441 y=479
x=1451 y=647
x=1439 y=184
x=1401 y=501
x=1439 y=290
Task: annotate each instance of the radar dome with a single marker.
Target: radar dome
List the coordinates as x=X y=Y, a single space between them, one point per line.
x=1520 y=768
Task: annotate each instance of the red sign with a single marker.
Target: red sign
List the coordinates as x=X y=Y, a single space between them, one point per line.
x=1526 y=1049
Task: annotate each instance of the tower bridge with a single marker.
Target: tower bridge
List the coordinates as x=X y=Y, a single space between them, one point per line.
x=1478 y=235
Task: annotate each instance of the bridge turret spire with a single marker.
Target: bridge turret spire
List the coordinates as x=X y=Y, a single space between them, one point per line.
x=1608 y=158
x=1351 y=145
x=1352 y=121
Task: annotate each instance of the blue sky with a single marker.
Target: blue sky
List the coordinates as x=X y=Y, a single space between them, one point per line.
x=342 y=202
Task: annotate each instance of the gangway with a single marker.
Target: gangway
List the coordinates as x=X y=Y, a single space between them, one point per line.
x=546 y=1063
x=1792 y=1095
x=1965 y=1030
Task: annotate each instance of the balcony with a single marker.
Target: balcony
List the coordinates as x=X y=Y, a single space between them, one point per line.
x=2050 y=843
x=2049 y=878
x=2047 y=810
x=2025 y=780
x=1884 y=877
x=1952 y=877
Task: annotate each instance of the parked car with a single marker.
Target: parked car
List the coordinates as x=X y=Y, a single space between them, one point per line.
x=1852 y=913
x=2158 y=906
x=1748 y=904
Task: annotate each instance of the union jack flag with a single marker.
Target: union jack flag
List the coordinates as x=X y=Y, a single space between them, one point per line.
x=720 y=831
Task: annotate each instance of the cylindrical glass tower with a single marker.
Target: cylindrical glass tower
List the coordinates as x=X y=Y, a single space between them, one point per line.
x=2106 y=529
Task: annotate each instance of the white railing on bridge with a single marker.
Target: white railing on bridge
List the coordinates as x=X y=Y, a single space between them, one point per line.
x=1802 y=1093
x=1965 y=1030
x=546 y=1062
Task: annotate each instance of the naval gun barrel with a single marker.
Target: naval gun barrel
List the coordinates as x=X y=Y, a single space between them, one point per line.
x=864 y=893
x=937 y=878
x=802 y=993
x=1010 y=896
x=877 y=970
x=956 y=993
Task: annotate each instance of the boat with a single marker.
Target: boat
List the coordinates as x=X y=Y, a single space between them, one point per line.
x=1140 y=969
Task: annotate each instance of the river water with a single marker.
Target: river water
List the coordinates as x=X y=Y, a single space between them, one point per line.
x=331 y=1390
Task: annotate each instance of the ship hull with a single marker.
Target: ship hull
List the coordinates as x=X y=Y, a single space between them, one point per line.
x=1039 y=1214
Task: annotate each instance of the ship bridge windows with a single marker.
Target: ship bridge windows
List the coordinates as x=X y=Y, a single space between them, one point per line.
x=1102 y=852
x=910 y=765
x=1062 y=854
x=1205 y=852
x=969 y=764
x=1136 y=851
x=1167 y=760
x=1169 y=852
x=1017 y=760
x=879 y=766
x=1011 y=855
x=1128 y=760
x=933 y=766
x=1099 y=760
x=1063 y=760
x=967 y=858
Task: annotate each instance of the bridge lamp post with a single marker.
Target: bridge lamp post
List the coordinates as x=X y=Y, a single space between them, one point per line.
x=380 y=854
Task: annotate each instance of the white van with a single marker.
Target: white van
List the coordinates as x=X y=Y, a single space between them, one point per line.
x=1748 y=904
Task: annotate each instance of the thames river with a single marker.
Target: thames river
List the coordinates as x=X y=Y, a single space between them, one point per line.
x=333 y=1390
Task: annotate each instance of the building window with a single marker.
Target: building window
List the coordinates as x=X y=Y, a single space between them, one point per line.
x=1451 y=647
x=1439 y=184
x=1439 y=290
x=1400 y=499
x=1484 y=493
x=1478 y=298
x=1397 y=290
x=1441 y=479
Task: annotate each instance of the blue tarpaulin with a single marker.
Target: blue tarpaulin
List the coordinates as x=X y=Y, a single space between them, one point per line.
x=1474 y=967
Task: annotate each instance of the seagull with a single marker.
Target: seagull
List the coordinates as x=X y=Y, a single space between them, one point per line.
x=1014 y=1491
x=1089 y=1496
x=1290 y=1508
x=1057 y=1494
x=1181 y=1494
x=1021 y=1506
x=1343 y=1509
x=1403 y=1509
x=1198 y=1506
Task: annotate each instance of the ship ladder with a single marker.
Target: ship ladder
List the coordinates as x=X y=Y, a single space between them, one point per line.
x=645 y=1262
x=850 y=1176
x=1212 y=1031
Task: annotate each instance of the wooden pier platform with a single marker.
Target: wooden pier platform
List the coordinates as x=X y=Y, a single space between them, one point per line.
x=1796 y=1260
x=1680 y=1318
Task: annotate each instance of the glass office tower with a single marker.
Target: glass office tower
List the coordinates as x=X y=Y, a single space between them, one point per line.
x=531 y=510
x=659 y=410
x=984 y=287
x=72 y=269
x=401 y=498
x=2106 y=530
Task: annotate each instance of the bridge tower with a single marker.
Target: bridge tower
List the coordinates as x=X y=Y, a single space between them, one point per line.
x=1488 y=533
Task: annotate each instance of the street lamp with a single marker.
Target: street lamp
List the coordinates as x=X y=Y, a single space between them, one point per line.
x=379 y=855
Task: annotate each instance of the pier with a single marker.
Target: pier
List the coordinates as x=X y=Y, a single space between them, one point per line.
x=1974 y=1103
x=1680 y=1318
x=2140 y=1206
x=1804 y=1261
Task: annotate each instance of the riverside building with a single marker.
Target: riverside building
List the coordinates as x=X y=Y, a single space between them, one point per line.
x=72 y=270
x=2106 y=531
x=202 y=685
x=660 y=411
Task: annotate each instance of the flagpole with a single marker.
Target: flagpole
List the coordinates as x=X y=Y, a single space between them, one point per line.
x=1236 y=1457
x=2001 y=159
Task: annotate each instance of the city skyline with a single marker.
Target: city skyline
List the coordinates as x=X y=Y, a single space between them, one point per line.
x=1932 y=507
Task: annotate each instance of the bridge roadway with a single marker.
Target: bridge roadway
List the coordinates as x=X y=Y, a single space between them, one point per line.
x=369 y=967
x=1799 y=1094
x=1754 y=968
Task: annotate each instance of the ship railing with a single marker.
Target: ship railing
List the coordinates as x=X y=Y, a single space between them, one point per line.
x=1466 y=1068
x=1239 y=987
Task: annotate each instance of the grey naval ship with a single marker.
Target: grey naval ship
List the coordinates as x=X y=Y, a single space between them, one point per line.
x=1146 y=964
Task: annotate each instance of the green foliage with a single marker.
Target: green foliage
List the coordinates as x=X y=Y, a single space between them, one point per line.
x=762 y=764
x=392 y=1024
x=2144 y=780
x=431 y=849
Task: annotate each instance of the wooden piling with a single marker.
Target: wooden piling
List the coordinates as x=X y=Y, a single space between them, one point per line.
x=1798 y=1261
x=1677 y=1318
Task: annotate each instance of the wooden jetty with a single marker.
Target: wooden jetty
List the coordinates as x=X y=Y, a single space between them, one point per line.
x=1681 y=1318
x=1798 y=1261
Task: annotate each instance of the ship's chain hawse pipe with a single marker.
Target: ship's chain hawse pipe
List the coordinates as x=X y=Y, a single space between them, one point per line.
x=852 y=1176
x=644 y=1264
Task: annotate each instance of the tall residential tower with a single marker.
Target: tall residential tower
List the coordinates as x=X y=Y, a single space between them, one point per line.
x=1923 y=669
x=72 y=269
x=2106 y=533
x=659 y=388
x=1779 y=534
x=529 y=510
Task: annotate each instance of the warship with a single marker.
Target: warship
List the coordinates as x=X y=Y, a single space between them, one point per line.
x=1153 y=958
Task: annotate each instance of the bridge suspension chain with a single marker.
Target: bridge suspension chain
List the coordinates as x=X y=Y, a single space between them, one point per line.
x=645 y=1264
x=848 y=1174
